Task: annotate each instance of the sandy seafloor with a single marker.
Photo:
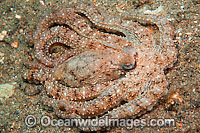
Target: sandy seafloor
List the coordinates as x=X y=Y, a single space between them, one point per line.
x=182 y=104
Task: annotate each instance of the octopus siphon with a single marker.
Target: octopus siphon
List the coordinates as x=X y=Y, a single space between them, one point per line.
x=94 y=64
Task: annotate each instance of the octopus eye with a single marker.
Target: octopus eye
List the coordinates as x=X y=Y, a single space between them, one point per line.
x=128 y=66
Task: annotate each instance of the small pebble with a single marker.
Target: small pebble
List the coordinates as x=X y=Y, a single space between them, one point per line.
x=15 y=44
x=18 y=16
x=7 y=90
x=1 y=57
x=2 y=35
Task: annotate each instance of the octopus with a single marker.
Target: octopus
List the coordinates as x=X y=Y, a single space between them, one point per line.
x=94 y=64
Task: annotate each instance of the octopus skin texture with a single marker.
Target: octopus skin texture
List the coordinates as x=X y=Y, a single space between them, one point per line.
x=93 y=64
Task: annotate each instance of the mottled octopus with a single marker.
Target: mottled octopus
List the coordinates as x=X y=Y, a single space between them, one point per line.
x=95 y=64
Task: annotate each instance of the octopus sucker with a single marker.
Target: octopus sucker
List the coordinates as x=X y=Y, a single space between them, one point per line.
x=94 y=64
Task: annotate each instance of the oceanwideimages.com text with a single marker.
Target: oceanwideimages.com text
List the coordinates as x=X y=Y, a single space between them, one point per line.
x=46 y=121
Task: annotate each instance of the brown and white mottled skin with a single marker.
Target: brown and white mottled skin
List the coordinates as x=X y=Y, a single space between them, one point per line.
x=112 y=66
